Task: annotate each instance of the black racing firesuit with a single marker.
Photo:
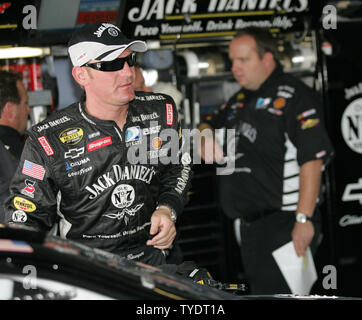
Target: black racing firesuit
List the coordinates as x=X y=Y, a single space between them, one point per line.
x=278 y=128
x=101 y=182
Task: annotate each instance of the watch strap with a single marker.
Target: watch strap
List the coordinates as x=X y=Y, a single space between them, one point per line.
x=300 y=216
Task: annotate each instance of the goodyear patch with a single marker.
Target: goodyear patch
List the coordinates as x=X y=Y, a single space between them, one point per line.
x=71 y=136
x=24 y=204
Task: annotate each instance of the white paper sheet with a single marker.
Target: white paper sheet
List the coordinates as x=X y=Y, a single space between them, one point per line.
x=299 y=272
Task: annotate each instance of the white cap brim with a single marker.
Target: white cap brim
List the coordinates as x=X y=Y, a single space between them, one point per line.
x=83 y=52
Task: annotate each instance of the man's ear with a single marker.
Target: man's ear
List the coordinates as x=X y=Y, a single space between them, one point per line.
x=9 y=111
x=268 y=59
x=80 y=75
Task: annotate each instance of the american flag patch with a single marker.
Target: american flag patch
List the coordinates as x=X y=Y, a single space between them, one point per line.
x=33 y=170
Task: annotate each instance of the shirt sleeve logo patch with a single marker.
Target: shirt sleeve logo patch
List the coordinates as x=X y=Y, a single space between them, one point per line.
x=306 y=114
x=46 y=146
x=33 y=170
x=279 y=103
x=24 y=204
x=310 y=123
x=19 y=216
x=169 y=114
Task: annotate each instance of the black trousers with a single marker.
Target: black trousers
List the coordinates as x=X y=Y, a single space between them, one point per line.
x=258 y=240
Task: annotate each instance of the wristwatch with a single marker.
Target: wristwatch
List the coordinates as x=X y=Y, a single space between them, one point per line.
x=302 y=217
x=173 y=212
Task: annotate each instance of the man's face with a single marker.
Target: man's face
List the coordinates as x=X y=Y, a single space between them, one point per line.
x=22 y=110
x=247 y=67
x=114 y=87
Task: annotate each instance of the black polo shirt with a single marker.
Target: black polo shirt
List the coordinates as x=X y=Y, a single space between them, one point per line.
x=13 y=141
x=278 y=128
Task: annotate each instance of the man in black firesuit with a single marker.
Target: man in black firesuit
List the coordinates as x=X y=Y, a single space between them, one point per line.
x=281 y=149
x=103 y=168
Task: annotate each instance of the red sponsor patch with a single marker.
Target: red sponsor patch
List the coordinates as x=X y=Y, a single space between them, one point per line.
x=100 y=143
x=46 y=146
x=169 y=114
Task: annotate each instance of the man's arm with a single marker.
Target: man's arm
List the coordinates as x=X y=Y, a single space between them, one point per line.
x=32 y=199
x=309 y=187
x=175 y=181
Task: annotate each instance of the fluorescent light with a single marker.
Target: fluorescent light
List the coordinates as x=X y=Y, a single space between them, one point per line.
x=298 y=59
x=23 y=52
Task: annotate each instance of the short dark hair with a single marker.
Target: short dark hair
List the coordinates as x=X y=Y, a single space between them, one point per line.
x=263 y=38
x=8 y=88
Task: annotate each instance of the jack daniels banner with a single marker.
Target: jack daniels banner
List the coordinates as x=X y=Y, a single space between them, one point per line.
x=190 y=19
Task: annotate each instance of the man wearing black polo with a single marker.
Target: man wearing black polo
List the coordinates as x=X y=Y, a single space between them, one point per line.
x=281 y=150
x=14 y=111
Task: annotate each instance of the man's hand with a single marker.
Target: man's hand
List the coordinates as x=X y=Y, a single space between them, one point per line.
x=302 y=236
x=207 y=147
x=163 y=226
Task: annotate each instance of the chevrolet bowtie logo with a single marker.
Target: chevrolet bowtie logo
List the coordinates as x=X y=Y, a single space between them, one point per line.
x=350 y=193
x=74 y=153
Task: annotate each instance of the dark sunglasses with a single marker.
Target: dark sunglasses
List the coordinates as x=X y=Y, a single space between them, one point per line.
x=114 y=65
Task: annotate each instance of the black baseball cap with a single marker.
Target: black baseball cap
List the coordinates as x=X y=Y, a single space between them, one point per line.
x=100 y=41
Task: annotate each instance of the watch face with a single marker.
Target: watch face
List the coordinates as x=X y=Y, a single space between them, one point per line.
x=173 y=216
x=301 y=218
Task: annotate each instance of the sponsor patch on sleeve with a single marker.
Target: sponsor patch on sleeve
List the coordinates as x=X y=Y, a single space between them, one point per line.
x=169 y=114
x=306 y=114
x=46 y=146
x=19 y=216
x=279 y=103
x=33 y=170
x=310 y=123
x=24 y=204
